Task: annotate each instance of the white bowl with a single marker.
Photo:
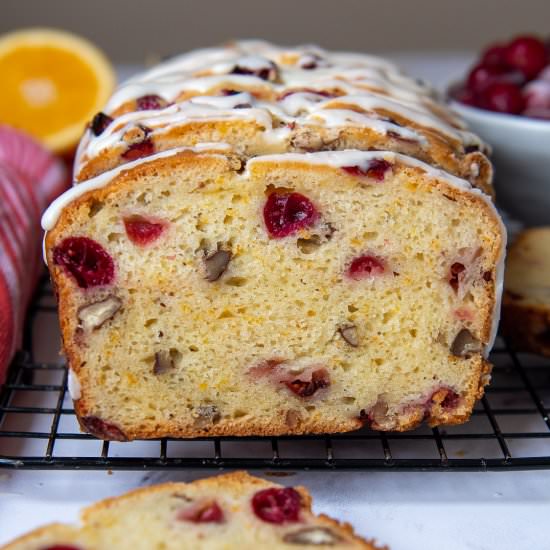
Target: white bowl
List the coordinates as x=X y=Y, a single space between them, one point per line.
x=521 y=156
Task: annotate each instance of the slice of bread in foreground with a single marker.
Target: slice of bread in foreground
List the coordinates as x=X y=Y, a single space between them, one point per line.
x=231 y=511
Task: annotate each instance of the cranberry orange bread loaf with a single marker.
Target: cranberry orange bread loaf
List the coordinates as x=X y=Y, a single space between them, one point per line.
x=210 y=290
x=526 y=303
x=232 y=511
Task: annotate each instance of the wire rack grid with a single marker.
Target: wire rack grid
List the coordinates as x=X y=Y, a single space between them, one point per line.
x=509 y=428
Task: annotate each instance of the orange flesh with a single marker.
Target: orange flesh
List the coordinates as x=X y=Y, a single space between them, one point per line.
x=45 y=89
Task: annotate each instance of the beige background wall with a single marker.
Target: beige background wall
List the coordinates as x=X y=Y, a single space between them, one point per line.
x=130 y=30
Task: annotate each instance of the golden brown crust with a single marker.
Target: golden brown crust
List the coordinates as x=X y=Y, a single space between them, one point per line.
x=61 y=532
x=234 y=482
x=220 y=482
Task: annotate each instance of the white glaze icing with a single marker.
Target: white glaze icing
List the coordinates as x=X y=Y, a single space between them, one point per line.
x=224 y=102
x=300 y=102
x=368 y=83
x=499 y=287
x=304 y=109
x=73 y=385
x=250 y=62
x=337 y=118
x=417 y=113
x=338 y=159
x=165 y=119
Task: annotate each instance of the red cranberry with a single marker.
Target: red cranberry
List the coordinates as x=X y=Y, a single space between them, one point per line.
x=390 y=120
x=503 y=97
x=321 y=93
x=150 y=102
x=101 y=429
x=464 y=314
x=545 y=73
x=456 y=275
x=482 y=75
x=450 y=400
x=494 y=55
x=464 y=95
x=528 y=54
x=85 y=260
x=100 y=122
x=310 y=61
x=265 y=368
x=286 y=213
x=375 y=170
x=203 y=513
x=537 y=94
x=309 y=65
x=142 y=231
x=227 y=92
x=537 y=112
x=277 y=505
x=268 y=72
x=140 y=149
x=364 y=267
x=306 y=388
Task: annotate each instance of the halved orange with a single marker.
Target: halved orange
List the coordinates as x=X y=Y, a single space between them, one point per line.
x=51 y=84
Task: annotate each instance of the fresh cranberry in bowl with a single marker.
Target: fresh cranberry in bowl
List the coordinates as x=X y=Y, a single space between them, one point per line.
x=482 y=76
x=503 y=78
x=537 y=94
x=494 y=55
x=537 y=112
x=503 y=97
x=465 y=95
x=527 y=54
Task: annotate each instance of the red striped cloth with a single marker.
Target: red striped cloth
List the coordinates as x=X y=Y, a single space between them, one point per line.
x=30 y=178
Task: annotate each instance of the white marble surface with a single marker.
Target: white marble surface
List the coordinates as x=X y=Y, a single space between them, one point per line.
x=406 y=510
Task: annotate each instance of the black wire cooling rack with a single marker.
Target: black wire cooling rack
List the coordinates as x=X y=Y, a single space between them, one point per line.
x=509 y=428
